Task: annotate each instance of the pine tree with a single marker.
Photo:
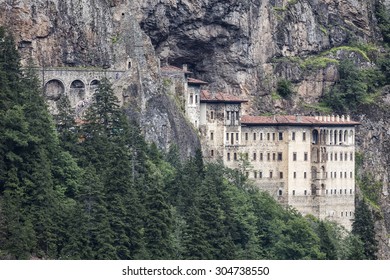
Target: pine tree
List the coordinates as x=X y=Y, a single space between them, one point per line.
x=363 y=226
x=327 y=245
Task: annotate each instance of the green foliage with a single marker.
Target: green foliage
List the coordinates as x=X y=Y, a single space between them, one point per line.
x=363 y=228
x=98 y=191
x=370 y=188
x=353 y=88
x=318 y=62
x=382 y=14
x=354 y=49
x=284 y=88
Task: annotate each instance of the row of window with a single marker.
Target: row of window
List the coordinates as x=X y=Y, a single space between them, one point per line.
x=342 y=214
x=259 y=174
x=330 y=192
x=268 y=136
x=342 y=157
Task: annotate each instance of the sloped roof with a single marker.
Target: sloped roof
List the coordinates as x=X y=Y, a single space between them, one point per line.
x=219 y=97
x=297 y=120
x=196 y=81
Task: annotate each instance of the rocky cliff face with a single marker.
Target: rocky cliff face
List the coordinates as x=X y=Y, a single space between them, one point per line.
x=242 y=47
x=105 y=34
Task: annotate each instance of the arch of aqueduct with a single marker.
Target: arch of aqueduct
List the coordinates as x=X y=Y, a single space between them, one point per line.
x=78 y=84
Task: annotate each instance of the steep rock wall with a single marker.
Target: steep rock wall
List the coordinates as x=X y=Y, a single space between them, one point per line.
x=105 y=34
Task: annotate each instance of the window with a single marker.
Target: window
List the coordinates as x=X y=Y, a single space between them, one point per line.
x=295 y=175
x=247 y=174
x=273 y=156
x=236 y=136
x=305 y=156
x=341 y=191
x=304 y=136
x=270 y=174
x=227 y=136
x=212 y=153
x=273 y=136
x=304 y=175
x=345 y=191
x=235 y=156
x=196 y=99
x=261 y=156
x=211 y=136
x=191 y=99
x=335 y=174
x=227 y=115
x=293 y=136
x=281 y=175
x=305 y=192
x=350 y=191
x=331 y=156
x=341 y=214
x=293 y=192
x=268 y=136
x=254 y=156
x=341 y=156
x=254 y=136
x=232 y=138
x=212 y=115
x=260 y=174
x=280 y=156
x=246 y=156
x=280 y=136
x=346 y=156
x=331 y=191
x=246 y=136
x=350 y=175
x=268 y=156
x=351 y=156
x=254 y=174
x=294 y=156
x=341 y=174
x=345 y=174
x=335 y=156
x=228 y=156
x=280 y=192
x=261 y=136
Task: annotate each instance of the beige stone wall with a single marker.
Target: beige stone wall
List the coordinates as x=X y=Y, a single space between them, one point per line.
x=301 y=166
x=193 y=104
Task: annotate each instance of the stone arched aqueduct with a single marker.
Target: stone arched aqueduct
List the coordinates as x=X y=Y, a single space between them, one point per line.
x=77 y=84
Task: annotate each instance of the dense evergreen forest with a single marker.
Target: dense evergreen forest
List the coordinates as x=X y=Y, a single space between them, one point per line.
x=96 y=190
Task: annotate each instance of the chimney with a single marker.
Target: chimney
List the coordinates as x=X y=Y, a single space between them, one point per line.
x=185 y=67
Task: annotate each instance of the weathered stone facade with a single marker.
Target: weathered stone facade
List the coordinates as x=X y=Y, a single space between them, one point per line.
x=304 y=162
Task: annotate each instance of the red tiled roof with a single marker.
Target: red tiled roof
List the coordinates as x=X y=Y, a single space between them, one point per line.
x=196 y=81
x=219 y=97
x=296 y=120
x=171 y=68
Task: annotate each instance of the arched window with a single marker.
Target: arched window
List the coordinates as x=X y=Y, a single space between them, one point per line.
x=345 y=136
x=77 y=89
x=54 y=89
x=315 y=137
x=335 y=138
